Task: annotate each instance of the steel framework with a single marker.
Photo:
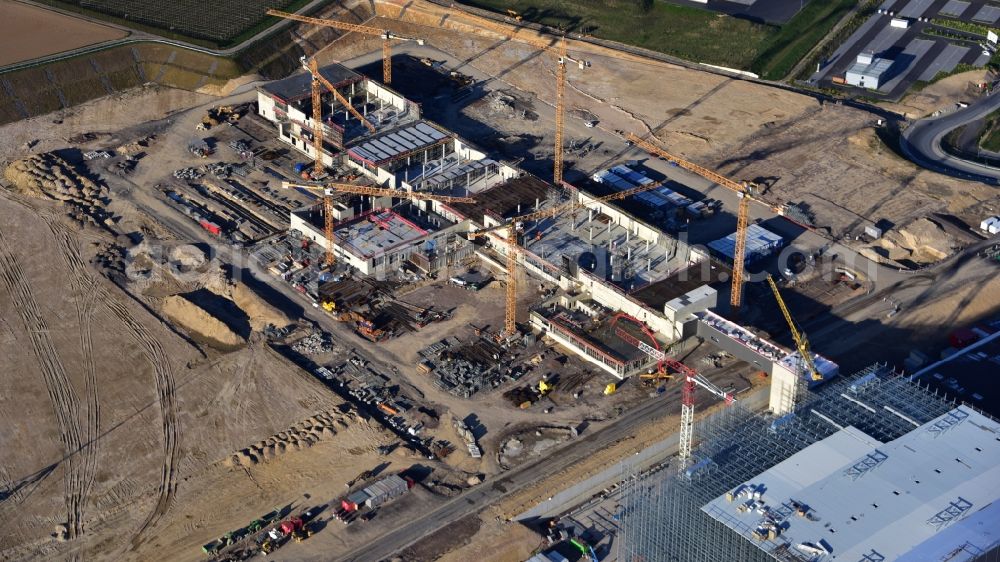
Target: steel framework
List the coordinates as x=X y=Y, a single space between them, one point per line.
x=662 y=519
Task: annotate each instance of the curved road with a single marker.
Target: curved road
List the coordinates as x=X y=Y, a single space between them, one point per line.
x=921 y=142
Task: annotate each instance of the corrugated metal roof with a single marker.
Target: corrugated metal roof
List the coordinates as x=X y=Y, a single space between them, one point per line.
x=400 y=141
x=891 y=499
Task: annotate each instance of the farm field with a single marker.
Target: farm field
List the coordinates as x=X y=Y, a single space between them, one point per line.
x=209 y=24
x=30 y=32
x=689 y=33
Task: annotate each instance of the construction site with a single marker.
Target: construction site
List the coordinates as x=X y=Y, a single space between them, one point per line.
x=461 y=284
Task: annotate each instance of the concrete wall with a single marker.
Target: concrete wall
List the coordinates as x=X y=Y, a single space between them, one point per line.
x=720 y=340
x=615 y=299
x=783 y=382
x=386 y=95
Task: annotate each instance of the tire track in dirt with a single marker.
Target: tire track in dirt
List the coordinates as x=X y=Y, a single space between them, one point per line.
x=61 y=394
x=87 y=290
x=163 y=376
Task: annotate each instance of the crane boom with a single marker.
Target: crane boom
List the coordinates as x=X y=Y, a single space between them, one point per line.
x=313 y=67
x=801 y=343
x=386 y=35
x=563 y=58
x=742 y=215
x=383 y=192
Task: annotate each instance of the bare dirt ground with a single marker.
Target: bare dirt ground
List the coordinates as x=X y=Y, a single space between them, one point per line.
x=104 y=115
x=30 y=32
x=941 y=95
x=826 y=158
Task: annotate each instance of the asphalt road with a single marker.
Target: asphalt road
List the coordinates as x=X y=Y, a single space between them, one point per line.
x=921 y=142
x=492 y=491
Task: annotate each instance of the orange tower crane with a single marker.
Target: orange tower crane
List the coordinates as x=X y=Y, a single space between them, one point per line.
x=563 y=58
x=513 y=248
x=386 y=35
x=317 y=110
x=743 y=189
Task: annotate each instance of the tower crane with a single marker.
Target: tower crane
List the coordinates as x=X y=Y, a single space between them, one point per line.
x=513 y=248
x=383 y=192
x=330 y=189
x=562 y=59
x=801 y=342
x=692 y=379
x=317 y=111
x=386 y=35
x=743 y=189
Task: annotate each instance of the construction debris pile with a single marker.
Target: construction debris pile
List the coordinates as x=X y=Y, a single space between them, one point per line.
x=316 y=342
x=470 y=440
x=464 y=370
x=48 y=175
x=187 y=174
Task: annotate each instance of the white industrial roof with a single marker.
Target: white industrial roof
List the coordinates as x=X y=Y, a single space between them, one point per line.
x=398 y=142
x=880 y=501
x=759 y=242
x=875 y=69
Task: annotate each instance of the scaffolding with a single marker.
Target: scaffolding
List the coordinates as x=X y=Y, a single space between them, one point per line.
x=662 y=520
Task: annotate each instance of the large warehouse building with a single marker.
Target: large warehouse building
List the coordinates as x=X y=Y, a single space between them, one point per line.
x=871 y=468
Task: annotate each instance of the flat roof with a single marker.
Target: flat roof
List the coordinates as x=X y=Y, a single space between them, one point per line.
x=399 y=142
x=760 y=242
x=659 y=293
x=867 y=500
x=503 y=200
x=602 y=336
x=376 y=232
x=970 y=373
x=875 y=69
x=299 y=86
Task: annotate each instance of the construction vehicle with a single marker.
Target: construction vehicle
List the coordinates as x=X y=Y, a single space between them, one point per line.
x=745 y=190
x=514 y=15
x=610 y=389
x=387 y=36
x=295 y=528
x=562 y=58
x=544 y=387
x=654 y=378
x=808 y=367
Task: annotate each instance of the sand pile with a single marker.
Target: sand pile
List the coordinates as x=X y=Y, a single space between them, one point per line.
x=921 y=242
x=302 y=435
x=48 y=175
x=199 y=322
x=261 y=313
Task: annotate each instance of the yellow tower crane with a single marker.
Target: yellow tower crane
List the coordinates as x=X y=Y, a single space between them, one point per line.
x=801 y=343
x=562 y=59
x=386 y=35
x=743 y=189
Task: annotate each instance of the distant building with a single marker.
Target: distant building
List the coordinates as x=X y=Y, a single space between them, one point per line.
x=868 y=71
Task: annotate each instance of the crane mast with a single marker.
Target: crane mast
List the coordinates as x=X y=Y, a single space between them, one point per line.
x=742 y=214
x=386 y=35
x=801 y=343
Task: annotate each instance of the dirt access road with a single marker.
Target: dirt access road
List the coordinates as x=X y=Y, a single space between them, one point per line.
x=29 y=32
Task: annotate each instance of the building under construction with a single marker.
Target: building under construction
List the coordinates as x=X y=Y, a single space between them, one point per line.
x=871 y=467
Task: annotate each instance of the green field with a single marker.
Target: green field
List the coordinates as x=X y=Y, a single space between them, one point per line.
x=990 y=140
x=216 y=24
x=689 y=33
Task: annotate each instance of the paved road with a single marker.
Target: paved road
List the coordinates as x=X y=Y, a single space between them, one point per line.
x=921 y=142
x=490 y=492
